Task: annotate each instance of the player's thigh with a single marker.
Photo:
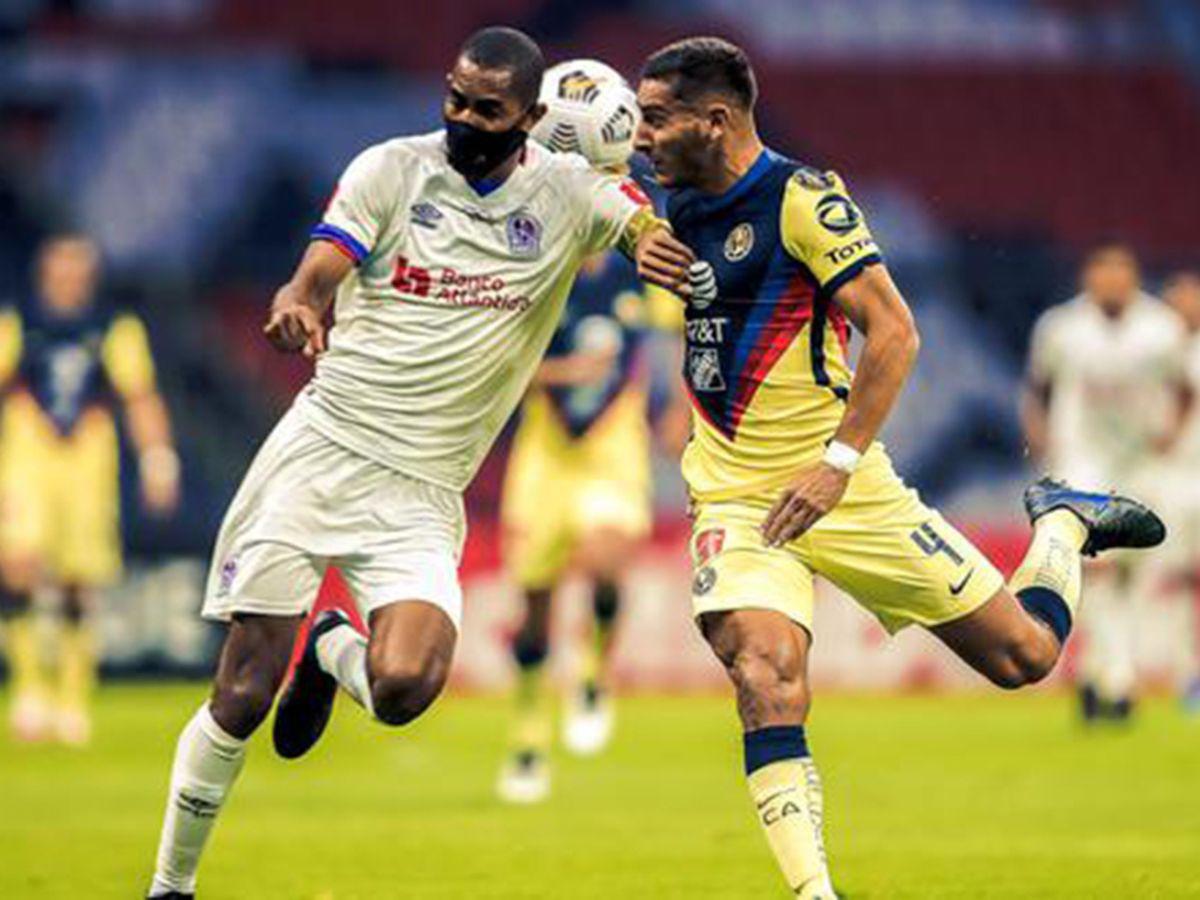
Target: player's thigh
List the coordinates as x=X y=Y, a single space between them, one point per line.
x=733 y=570
x=898 y=558
x=535 y=514
x=87 y=541
x=411 y=640
x=611 y=516
x=27 y=451
x=1001 y=641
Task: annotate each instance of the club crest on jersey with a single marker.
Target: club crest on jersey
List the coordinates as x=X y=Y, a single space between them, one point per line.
x=838 y=214
x=524 y=234
x=704 y=581
x=739 y=243
x=709 y=543
x=425 y=214
x=229 y=570
x=704 y=370
x=578 y=86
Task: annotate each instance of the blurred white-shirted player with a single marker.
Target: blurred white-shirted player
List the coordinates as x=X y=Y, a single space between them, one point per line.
x=451 y=255
x=1102 y=404
x=1182 y=293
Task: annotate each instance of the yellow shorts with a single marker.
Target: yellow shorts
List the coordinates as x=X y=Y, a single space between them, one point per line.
x=558 y=489
x=881 y=545
x=60 y=496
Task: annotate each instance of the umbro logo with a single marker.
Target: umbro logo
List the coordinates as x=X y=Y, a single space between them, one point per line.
x=426 y=215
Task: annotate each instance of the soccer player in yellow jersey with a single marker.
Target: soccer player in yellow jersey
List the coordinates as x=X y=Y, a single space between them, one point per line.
x=786 y=478
x=66 y=360
x=577 y=487
x=577 y=495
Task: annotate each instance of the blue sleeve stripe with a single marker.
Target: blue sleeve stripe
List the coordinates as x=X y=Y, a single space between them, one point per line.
x=345 y=240
x=850 y=272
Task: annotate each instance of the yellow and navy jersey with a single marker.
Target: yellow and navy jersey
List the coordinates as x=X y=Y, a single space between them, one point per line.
x=70 y=363
x=605 y=312
x=766 y=363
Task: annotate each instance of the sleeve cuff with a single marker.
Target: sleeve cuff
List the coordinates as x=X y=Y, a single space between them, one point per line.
x=342 y=240
x=851 y=271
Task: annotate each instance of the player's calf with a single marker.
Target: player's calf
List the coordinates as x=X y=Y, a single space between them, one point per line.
x=408 y=659
x=1003 y=642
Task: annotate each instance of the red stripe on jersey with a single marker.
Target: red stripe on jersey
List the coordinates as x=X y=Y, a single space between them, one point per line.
x=793 y=310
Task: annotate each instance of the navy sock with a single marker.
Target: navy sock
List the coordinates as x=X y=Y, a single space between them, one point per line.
x=764 y=746
x=1047 y=606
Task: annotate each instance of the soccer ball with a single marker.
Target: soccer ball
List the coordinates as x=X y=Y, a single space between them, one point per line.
x=590 y=110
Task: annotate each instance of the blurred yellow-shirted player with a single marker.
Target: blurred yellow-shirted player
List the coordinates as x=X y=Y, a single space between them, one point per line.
x=66 y=360
x=577 y=494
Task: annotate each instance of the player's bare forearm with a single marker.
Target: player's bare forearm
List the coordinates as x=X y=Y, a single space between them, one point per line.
x=158 y=463
x=661 y=258
x=1035 y=407
x=297 y=317
x=889 y=352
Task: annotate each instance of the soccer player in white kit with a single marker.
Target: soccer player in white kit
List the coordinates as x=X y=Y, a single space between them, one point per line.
x=1102 y=402
x=451 y=255
x=1182 y=293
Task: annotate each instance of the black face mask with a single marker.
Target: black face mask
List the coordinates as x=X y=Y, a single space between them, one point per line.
x=475 y=153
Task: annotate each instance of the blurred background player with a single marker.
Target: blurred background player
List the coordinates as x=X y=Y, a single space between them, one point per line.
x=1105 y=399
x=67 y=360
x=577 y=490
x=1182 y=294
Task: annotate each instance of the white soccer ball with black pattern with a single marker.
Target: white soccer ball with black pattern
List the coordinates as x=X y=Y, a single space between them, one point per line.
x=590 y=110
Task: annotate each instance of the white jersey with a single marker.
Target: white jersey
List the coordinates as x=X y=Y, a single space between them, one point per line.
x=1113 y=383
x=1187 y=451
x=454 y=300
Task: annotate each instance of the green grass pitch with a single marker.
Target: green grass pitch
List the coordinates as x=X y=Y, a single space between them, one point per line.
x=975 y=797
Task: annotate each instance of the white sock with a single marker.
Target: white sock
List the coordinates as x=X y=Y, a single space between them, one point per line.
x=1107 y=661
x=342 y=652
x=207 y=760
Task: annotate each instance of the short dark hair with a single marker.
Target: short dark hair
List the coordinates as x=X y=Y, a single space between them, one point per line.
x=700 y=65
x=506 y=48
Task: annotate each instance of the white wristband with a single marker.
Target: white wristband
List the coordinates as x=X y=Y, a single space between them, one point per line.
x=842 y=456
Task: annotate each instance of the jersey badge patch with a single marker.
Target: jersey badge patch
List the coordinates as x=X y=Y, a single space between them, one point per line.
x=524 y=234
x=739 y=243
x=704 y=370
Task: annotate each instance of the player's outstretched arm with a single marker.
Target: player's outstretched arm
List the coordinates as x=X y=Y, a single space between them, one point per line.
x=873 y=303
x=297 y=317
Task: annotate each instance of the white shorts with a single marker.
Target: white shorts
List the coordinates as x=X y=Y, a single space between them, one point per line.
x=308 y=503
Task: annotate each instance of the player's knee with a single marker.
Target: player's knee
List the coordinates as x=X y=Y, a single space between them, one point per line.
x=606 y=600
x=241 y=704
x=1022 y=663
x=770 y=682
x=403 y=689
x=531 y=646
x=14 y=603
